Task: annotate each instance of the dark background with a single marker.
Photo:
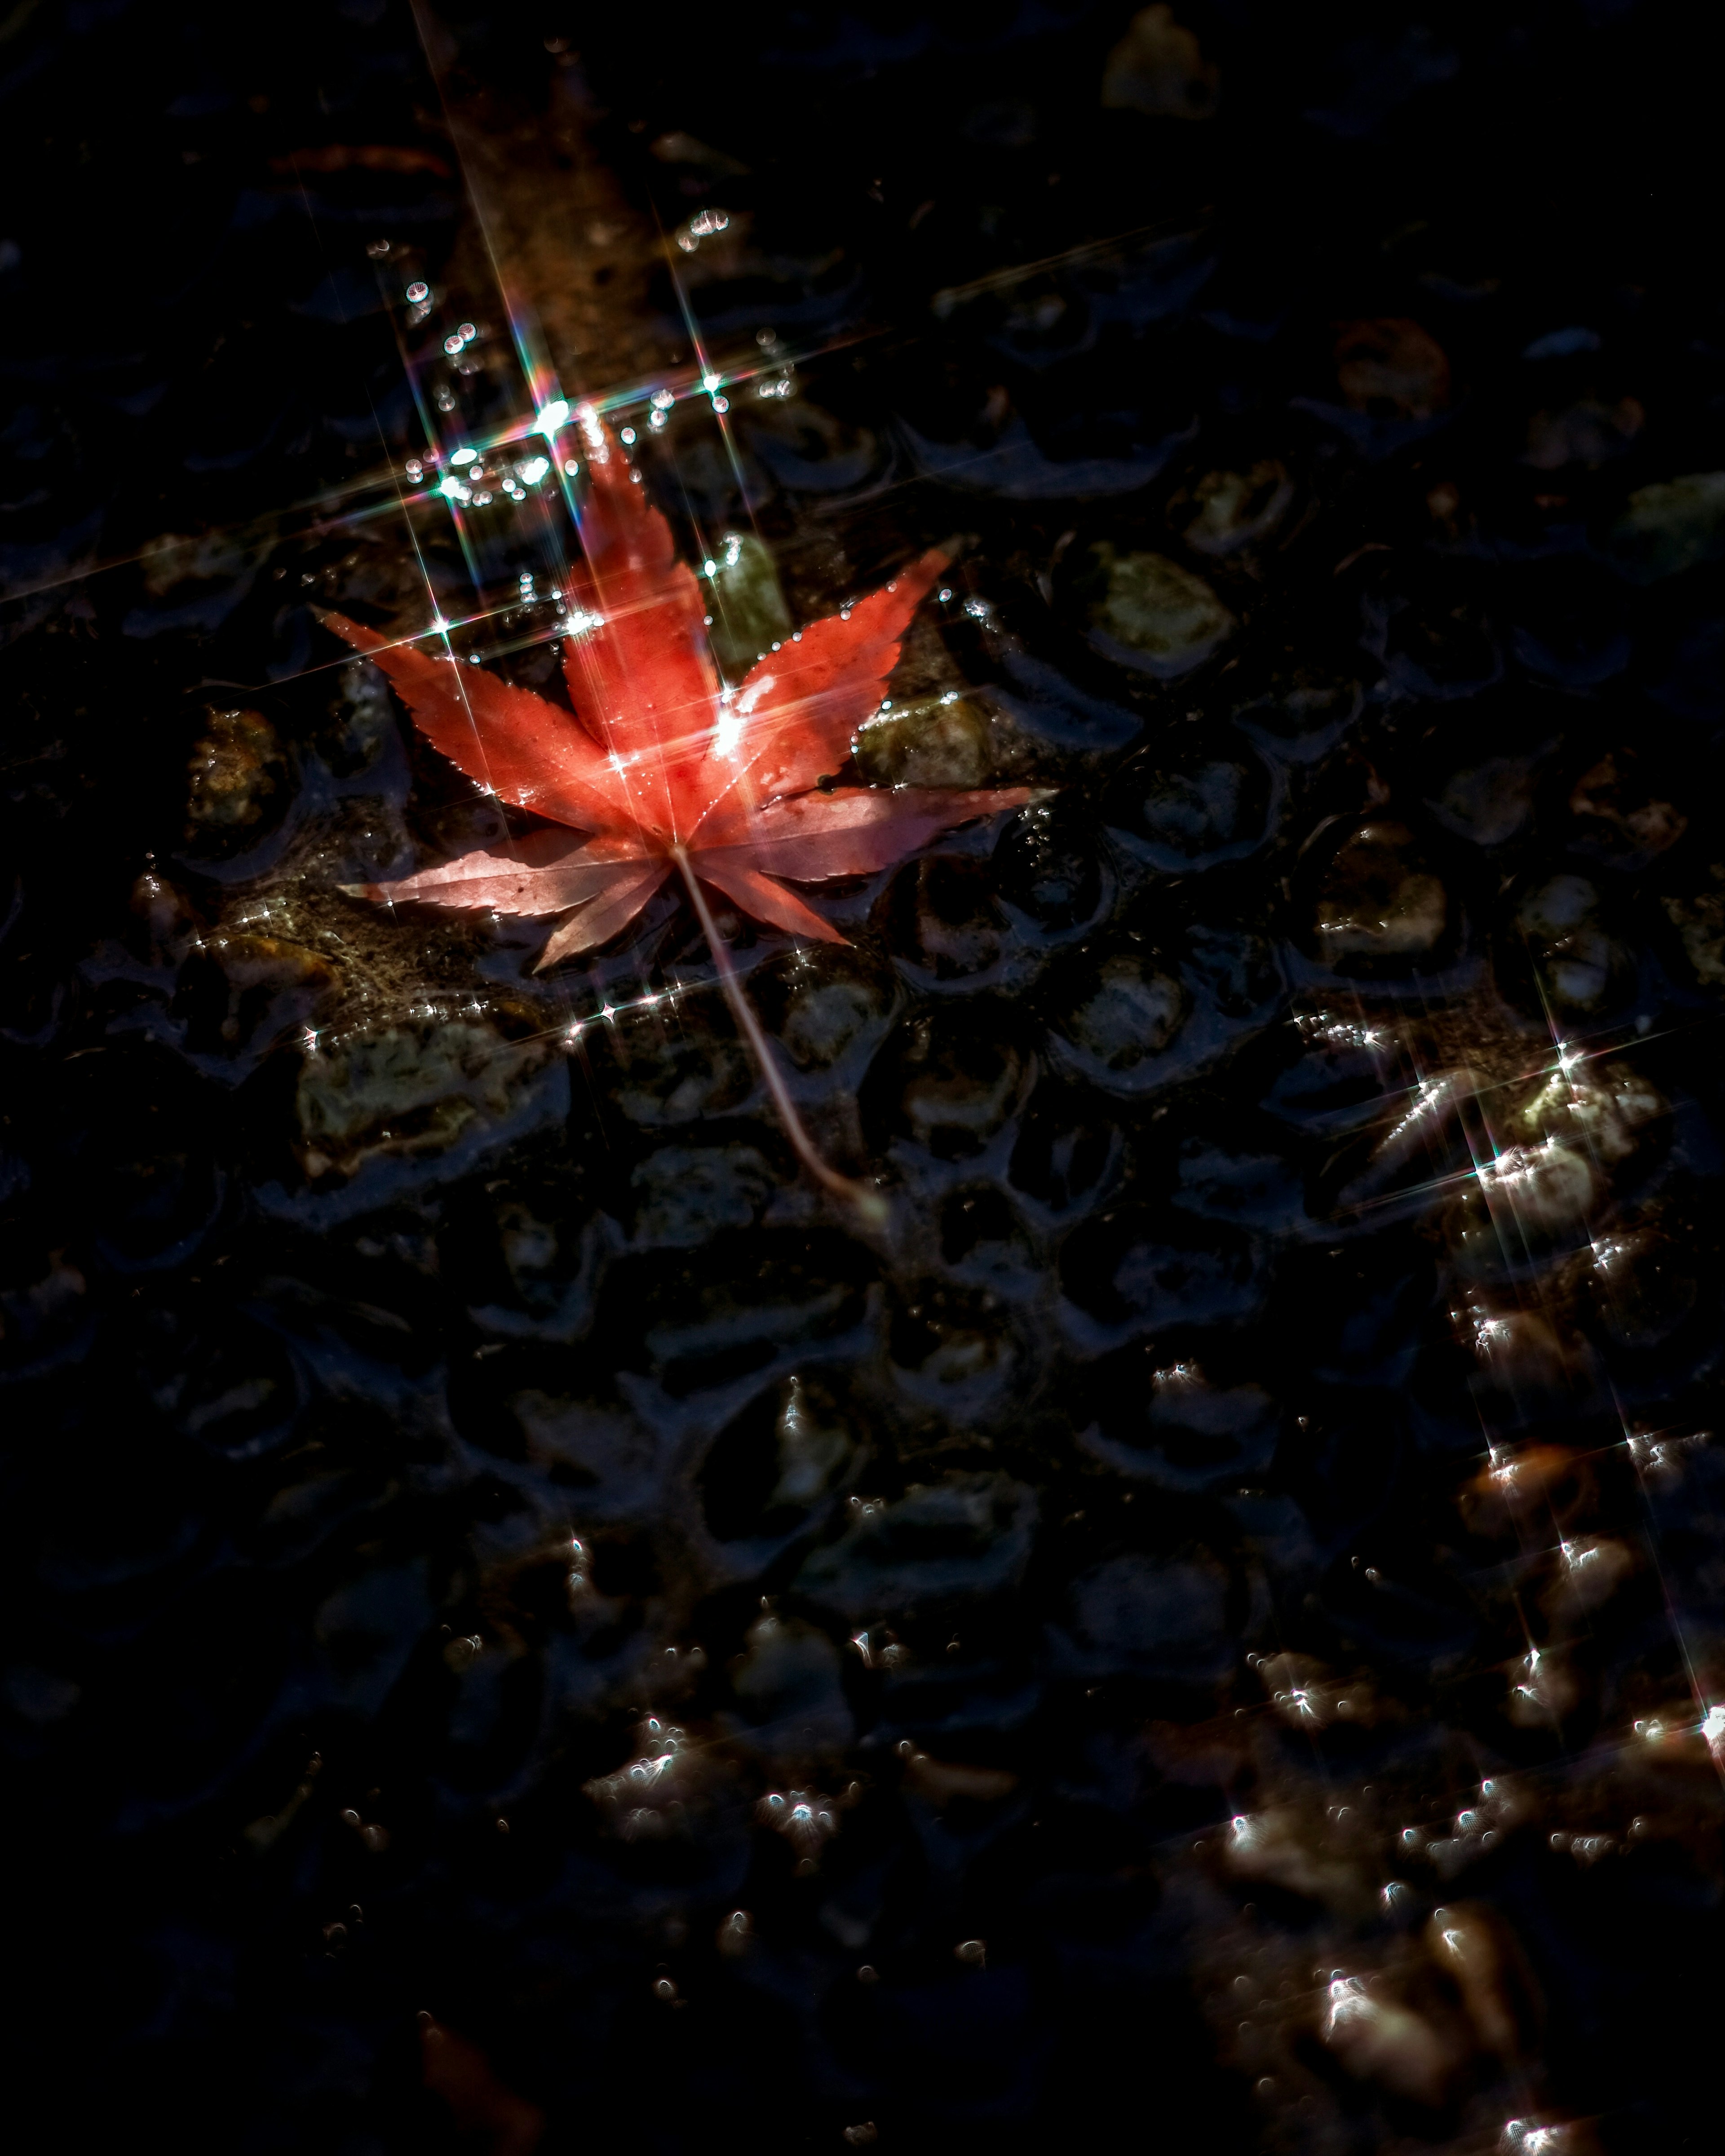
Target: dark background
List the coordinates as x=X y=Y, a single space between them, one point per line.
x=292 y=1452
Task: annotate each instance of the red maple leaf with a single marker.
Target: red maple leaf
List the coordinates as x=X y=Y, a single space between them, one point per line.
x=666 y=769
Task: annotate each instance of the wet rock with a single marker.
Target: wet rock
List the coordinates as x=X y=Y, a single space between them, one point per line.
x=1623 y=815
x=1434 y=640
x=948 y=1782
x=411 y=1089
x=362 y=726
x=1590 y=434
x=827 y=1008
x=952 y=1350
x=1159 y=68
x=1298 y=709
x=1528 y=1201
x=1378 y=2038
x=659 y=1793
x=167 y=926
x=746 y=1302
x=1544 y=1690
x=750 y=615
x=1427 y=1138
x=1046 y=865
x=238 y=1391
x=1135 y=1270
x=202 y=577
x=940 y=1545
x=1391 y=368
x=1666 y=529
x=1307 y=1696
x=1191 y=810
x=719 y=481
x=999 y=455
x=1339 y=1074
x=950 y=1081
x=1065 y=1150
x=1380 y=905
x=238 y=777
x=1547 y=1187
x=788 y=1688
x=809 y=450
x=1226 y=1180
x=1603 y=1110
x=1487 y=801
x=1537 y=1481
x=983 y=1238
x=1165 y=1420
x=1281 y=1848
x=1117 y=1018
x=1576 y=965
x=1225 y=511
x=1147 y=613
x=363 y=839
x=1699 y=919
x=679 y=1195
x=527 y=1266
x=240 y=995
x=593 y=1448
x=941 y=916
x=662 y=1077
x=1586 y=1572
x=776 y=1463
x=934 y=740
x=1473 y=1945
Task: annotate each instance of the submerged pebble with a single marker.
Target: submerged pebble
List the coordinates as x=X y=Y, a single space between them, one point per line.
x=413 y=1089
x=1150 y=613
x=1378 y=903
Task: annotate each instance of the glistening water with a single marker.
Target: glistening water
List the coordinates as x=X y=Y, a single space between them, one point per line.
x=530 y=1627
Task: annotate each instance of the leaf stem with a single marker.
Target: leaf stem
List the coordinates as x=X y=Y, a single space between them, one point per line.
x=869 y=1203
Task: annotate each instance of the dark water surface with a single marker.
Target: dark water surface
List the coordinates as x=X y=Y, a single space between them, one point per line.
x=527 y=1628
